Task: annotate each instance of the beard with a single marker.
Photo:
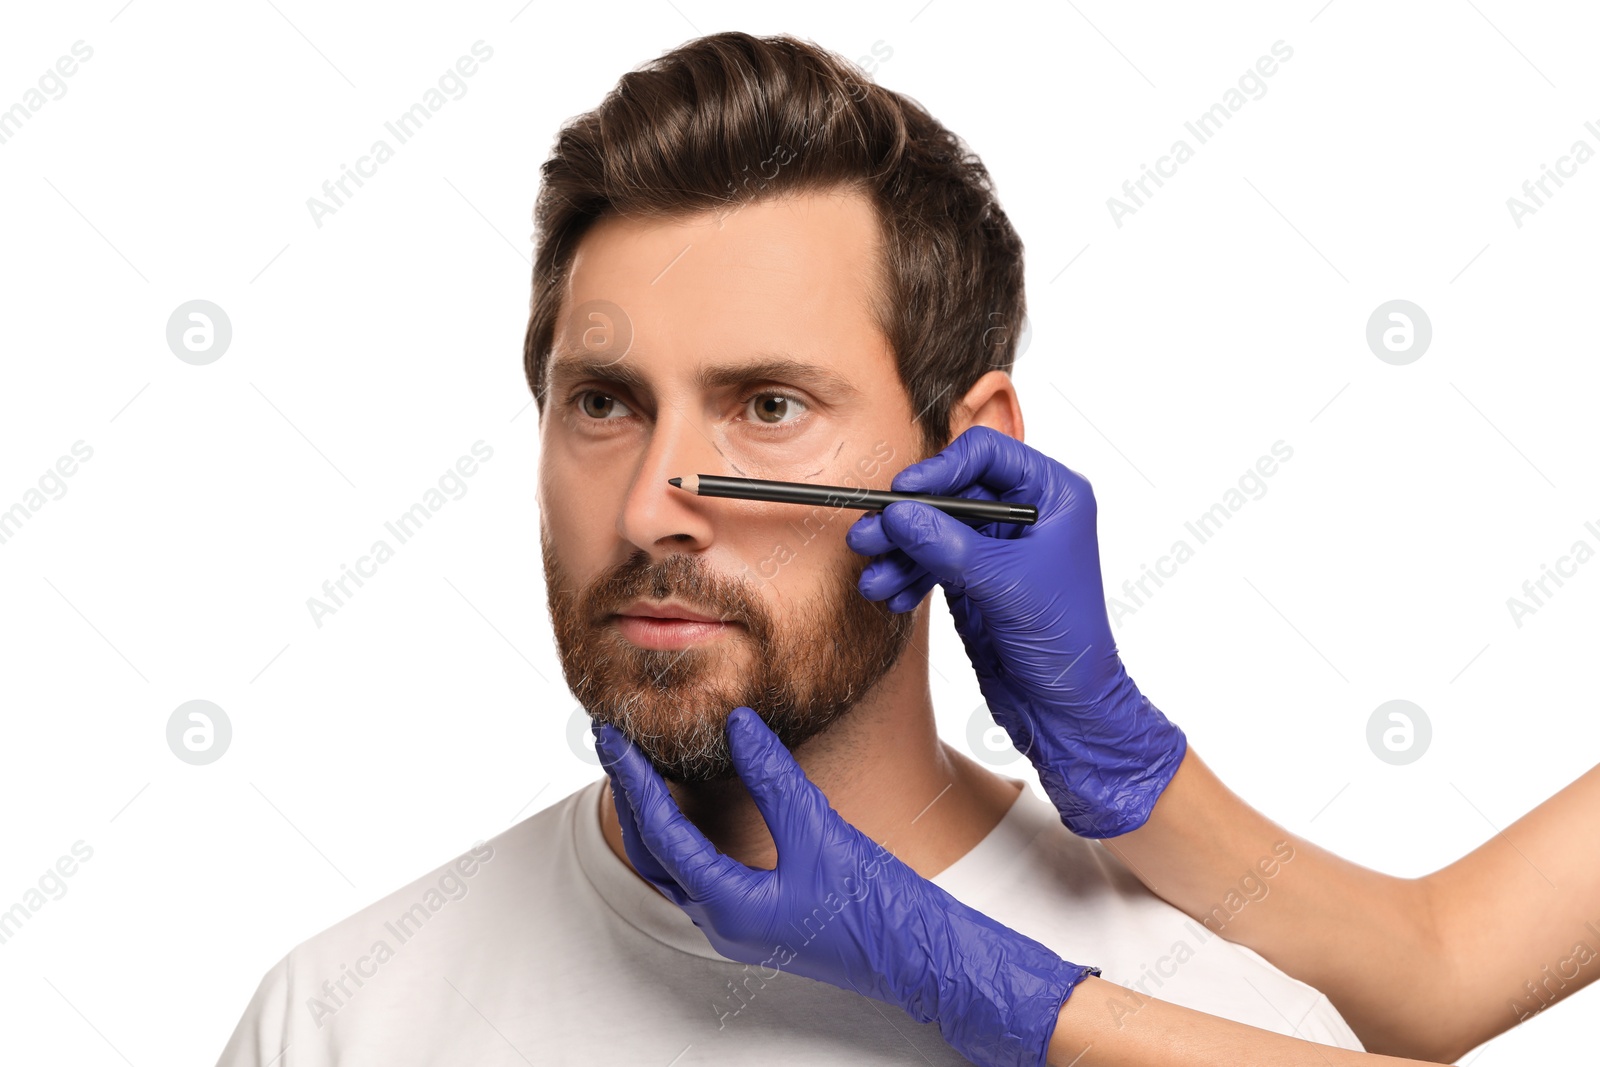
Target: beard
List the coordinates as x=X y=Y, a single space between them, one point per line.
x=807 y=669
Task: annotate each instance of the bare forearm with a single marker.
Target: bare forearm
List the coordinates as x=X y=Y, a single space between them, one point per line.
x=1363 y=938
x=1095 y=1029
x=1427 y=967
x=1521 y=913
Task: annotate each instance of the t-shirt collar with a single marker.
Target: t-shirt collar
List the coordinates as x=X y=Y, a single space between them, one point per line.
x=642 y=906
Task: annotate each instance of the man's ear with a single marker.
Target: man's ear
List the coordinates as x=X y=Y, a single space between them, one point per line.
x=992 y=402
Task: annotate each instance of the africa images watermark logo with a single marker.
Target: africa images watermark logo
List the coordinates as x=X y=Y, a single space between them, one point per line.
x=335 y=993
x=405 y=126
x=1566 y=166
x=402 y=528
x=1202 y=128
x=1136 y=592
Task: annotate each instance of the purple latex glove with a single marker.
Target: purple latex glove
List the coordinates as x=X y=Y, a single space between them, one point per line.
x=839 y=908
x=1031 y=611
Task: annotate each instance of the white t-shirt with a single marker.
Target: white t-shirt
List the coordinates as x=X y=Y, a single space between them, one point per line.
x=541 y=947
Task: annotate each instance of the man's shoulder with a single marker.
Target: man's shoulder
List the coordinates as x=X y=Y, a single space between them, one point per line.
x=516 y=856
x=470 y=891
x=456 y=913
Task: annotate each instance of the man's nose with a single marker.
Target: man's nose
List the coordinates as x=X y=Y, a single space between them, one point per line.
x=656 y=514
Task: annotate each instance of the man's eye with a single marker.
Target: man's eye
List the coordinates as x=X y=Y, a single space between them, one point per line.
x=771 y=408
x=598 y=405
x=775 y=410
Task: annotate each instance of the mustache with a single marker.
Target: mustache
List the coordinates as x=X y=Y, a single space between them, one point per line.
x=688 y=578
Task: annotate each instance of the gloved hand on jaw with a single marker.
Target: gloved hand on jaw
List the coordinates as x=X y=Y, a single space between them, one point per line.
x=870 y=923
x=1030 y=608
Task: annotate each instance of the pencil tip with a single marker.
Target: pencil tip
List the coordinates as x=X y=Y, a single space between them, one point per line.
x=675 y=481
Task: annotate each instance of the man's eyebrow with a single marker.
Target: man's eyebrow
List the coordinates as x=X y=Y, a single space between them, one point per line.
x=776 y=367
x=573 y=368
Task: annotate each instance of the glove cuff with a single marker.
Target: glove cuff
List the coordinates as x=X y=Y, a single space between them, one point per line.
x=1105 y=787
x=1000 y=1009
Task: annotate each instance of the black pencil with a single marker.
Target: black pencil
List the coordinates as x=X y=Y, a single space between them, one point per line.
x=971 y=512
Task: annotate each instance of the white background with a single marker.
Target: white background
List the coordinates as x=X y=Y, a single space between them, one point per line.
x=429 y=712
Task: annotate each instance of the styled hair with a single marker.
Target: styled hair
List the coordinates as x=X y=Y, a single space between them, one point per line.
x=731 y=118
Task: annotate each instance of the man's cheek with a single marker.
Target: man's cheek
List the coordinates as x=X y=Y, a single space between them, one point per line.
x=774 y=561
x=581 y=501
x=879 y=459
x=813 y=455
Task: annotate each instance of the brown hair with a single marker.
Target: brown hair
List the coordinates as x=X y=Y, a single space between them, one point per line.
x=730 y=116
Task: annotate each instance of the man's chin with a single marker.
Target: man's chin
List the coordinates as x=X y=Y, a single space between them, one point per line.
x=683 y=750
x=697 y=769
x=674 y=673
x=699 y=774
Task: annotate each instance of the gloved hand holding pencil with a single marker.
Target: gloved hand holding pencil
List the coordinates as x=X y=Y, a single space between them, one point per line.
x=1030 y=607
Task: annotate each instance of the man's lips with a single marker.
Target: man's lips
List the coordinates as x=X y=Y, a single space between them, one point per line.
x=669 y=632
x=667 y=609
x=669 y=614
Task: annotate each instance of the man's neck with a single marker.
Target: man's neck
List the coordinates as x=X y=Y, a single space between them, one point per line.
x=882 y=768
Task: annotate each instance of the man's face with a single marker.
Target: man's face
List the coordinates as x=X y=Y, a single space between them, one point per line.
x=708 y=308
